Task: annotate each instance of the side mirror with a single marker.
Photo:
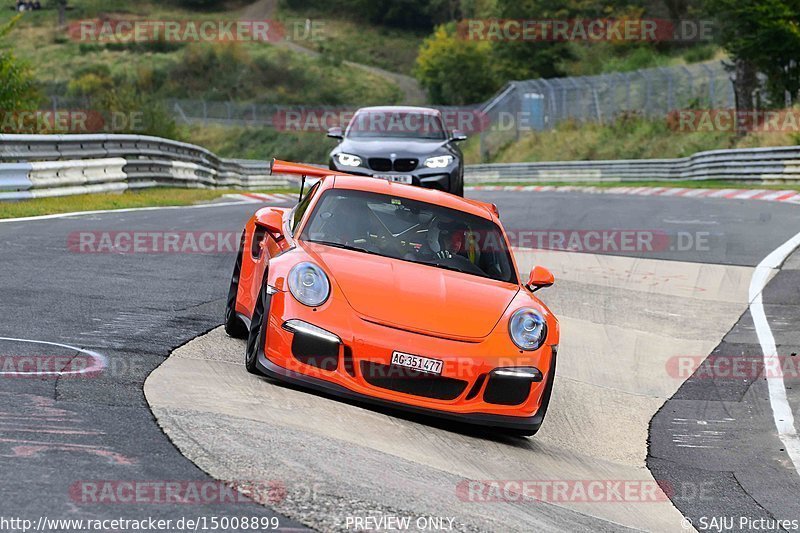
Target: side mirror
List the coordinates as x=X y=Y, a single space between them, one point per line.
x=458 y=136
x=540 y=278
x=272 y=221
x=335 y=133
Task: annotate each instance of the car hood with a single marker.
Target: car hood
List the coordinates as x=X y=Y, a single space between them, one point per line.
x=383 y=147
x=416 y=297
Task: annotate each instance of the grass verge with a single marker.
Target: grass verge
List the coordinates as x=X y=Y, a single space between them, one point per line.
x=159 y=197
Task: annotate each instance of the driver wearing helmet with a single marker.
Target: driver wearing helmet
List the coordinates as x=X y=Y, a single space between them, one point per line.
x=449 y=239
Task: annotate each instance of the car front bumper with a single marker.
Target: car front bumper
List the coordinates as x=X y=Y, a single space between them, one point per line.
x=364 y=346
x=444 y=179
x=523 y=424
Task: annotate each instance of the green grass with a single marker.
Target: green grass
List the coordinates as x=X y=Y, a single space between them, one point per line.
x=387 y=48
x=95 y=202
x=262 y=143
x=630 y=137
x=590 y=59
x=694 y=184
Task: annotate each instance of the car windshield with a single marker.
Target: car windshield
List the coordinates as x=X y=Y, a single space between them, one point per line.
x=396 y=124
x=410 y=230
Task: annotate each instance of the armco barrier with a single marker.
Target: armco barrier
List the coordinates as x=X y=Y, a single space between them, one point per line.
x=770 y=165
x=54 y=165
x=14 y=177
x=33 y=166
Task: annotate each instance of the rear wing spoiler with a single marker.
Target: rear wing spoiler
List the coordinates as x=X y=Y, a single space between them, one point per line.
x=285 y=167
x=307 y=171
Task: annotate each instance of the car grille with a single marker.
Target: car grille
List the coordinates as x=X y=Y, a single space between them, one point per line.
x=405 y=165
x=381 y=164
x=408 y=381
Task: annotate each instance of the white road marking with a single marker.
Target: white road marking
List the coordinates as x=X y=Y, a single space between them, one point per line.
x=781 y=410
x=126 y=210
x=100 y=361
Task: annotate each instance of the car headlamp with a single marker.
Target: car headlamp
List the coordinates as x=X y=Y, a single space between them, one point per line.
x=309 y=284
x=348 y=160
x=440 y=161
x=527 y=329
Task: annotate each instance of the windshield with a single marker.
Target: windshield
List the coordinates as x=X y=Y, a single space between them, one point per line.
x=410 y=230
x=396 y=124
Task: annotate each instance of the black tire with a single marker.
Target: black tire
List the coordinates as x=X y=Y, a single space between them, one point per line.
x=235 y=326
x=460 y=188
x=258 y=327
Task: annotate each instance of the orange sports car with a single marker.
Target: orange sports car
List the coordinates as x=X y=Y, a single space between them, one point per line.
x=394 y=295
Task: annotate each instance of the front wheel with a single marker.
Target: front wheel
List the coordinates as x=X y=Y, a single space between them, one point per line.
x=234 y=326
x=460 y=188
x=258 y=329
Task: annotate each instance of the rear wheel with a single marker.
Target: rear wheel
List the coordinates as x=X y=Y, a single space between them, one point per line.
x=235 y=326
x=258 y=329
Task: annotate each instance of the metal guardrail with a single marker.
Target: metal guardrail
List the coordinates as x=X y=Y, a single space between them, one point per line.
x=772 y=165
x=34 y=166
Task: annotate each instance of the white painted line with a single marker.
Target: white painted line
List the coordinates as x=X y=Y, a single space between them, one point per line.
x=781 y=410
x=100 y=361
x=126 y=210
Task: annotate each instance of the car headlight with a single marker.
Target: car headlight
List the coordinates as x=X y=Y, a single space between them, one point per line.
x=309 y=284
x=440 y=161
x=527 y=328
x=348 y=160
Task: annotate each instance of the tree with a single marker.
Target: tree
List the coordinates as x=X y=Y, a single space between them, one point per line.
x=453 y=70
x=761 y=36
x=520 y=59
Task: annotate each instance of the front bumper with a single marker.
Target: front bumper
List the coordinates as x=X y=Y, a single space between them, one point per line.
x=444 y=179
x=364 y=343
x=522 y=424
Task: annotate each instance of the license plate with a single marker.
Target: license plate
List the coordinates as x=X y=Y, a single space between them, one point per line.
x=423 y=364
x=399 y=178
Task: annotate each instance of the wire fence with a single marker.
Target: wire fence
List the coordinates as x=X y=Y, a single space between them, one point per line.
x=532 y=105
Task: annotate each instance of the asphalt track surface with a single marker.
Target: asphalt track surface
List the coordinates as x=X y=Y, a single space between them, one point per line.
x=135 y=309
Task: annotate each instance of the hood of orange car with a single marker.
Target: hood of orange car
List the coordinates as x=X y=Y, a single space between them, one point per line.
x=417 y=297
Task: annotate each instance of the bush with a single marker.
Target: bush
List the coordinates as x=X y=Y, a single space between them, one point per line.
x=18 y=90
x=126 y=104
x=455 y=71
